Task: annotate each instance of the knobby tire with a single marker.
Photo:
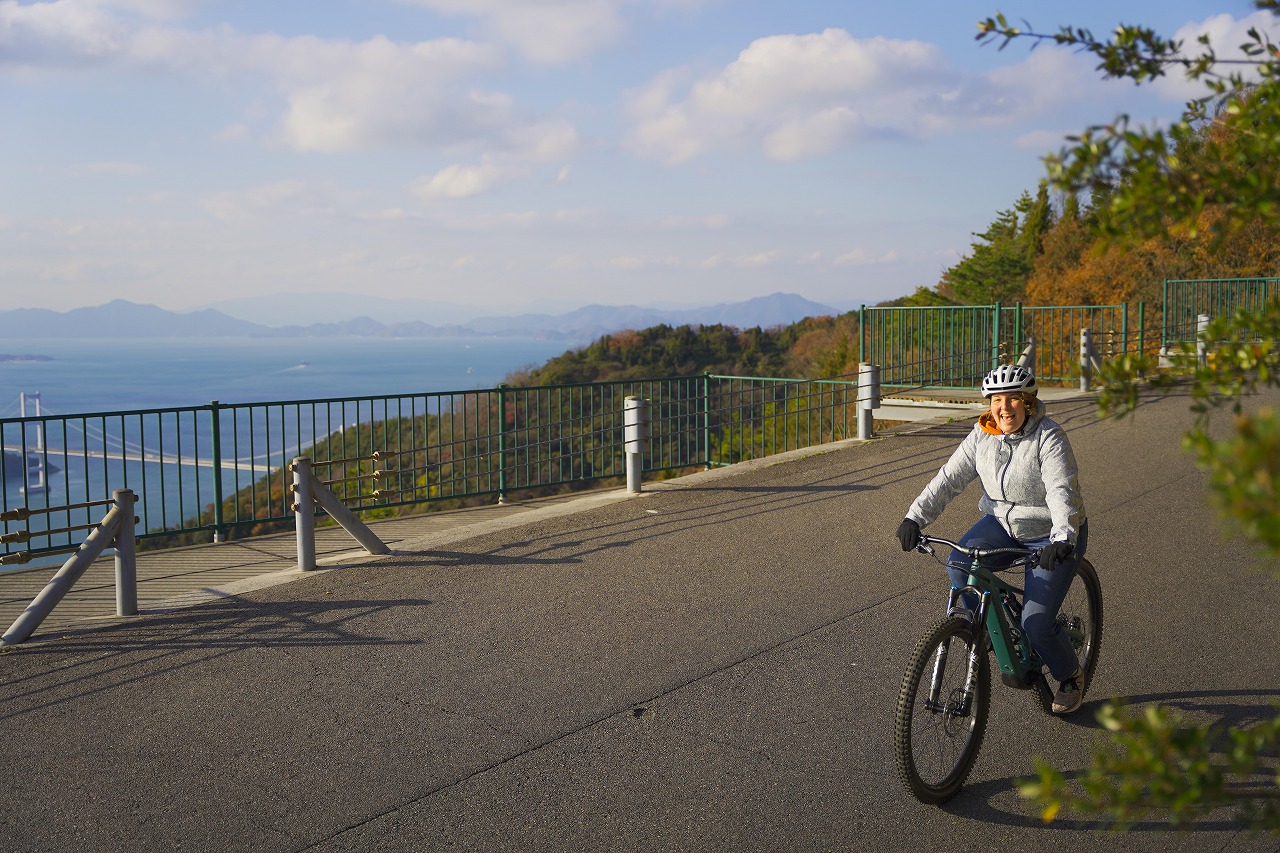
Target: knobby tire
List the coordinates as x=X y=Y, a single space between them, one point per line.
x=935 y=748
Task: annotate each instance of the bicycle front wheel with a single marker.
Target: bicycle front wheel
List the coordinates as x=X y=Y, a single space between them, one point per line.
x=942 y=710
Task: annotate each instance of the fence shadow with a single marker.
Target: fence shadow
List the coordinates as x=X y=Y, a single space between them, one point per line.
x=85 y=661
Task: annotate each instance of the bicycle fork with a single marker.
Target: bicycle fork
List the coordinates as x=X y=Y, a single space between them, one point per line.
x=961 y=707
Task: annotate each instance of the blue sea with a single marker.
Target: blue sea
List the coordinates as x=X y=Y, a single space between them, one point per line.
x=111 y=375
x=81 y=377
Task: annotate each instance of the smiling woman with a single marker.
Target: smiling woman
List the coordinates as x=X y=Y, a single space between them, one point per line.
x=1030 y=499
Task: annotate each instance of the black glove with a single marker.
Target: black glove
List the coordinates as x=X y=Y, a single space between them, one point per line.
x=1054 y=553
x=908 y=534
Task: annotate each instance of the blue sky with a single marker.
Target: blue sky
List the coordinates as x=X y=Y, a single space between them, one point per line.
x=513 y=155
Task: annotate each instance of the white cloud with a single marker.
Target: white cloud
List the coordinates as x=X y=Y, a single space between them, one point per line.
x=1226 y=35
x=795 y=95
x=336 y=94
x=458 y=181
x=547 y=31
x=520 y=149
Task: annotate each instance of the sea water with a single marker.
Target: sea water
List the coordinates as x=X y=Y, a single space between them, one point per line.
x=75 y=377
x=83 y=376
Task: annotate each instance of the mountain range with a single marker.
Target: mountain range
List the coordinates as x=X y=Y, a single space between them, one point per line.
x=123 y=319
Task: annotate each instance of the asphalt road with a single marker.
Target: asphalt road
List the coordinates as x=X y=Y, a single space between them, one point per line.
x=712 y=664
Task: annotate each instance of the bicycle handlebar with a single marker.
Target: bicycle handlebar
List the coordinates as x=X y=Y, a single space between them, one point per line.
x=973 y=553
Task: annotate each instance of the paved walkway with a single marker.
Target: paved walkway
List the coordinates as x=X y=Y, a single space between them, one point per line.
x=182 y=577
x=711 y=665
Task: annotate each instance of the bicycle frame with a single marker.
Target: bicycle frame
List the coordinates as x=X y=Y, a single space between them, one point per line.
x=1003 y=623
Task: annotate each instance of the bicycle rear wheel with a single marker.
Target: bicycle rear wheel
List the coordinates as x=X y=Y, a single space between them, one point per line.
x=1081 y=618
x=938 y=732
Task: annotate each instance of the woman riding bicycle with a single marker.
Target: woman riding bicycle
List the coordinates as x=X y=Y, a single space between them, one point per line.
x=1030 y=498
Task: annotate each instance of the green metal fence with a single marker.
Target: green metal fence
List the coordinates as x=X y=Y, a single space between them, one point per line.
x=945 y=346
x=955 y=346
x=1055 y=329
x=222 y=470
x=1185 y=300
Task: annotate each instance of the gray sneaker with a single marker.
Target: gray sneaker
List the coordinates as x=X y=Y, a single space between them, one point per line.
x=1070 y=695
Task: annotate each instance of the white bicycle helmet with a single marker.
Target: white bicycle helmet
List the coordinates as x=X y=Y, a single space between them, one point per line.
x=1010 y=379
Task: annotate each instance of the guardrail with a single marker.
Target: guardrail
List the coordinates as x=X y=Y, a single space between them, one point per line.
x=114 y=530
x=222 y=471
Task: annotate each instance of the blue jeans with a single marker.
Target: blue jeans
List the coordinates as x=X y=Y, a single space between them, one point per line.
x=1045 y=590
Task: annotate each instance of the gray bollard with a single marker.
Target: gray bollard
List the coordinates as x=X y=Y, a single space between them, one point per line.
x=304 y=513
x=1086 y=362
x=868 y=398
x=635 y=431
x=126 y=554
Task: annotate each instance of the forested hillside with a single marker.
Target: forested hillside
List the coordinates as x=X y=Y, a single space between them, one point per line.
x=1046 y=249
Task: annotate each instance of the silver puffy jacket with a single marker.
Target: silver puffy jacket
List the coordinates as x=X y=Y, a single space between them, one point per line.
x=1030 y=480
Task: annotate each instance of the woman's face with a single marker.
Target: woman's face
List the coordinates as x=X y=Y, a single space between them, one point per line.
x=1009 y=411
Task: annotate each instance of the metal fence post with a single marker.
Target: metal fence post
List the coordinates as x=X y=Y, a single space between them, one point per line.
x=304 y=513
x=862 y=331
x=635 y=430
x=216 y=433
x=1164 y=317
x=706 y=419
x=502 y=444
x=126 y=554
x=995 y=335
x=868 y=398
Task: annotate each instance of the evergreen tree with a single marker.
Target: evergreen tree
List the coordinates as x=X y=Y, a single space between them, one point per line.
x=1002 y=259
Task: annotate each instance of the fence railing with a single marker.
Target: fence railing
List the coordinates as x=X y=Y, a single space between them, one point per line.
x=1185 y=300
x=222 y=470
x=954 y=346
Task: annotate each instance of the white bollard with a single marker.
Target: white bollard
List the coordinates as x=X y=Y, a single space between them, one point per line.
x=1202 y=345
x=635 y=431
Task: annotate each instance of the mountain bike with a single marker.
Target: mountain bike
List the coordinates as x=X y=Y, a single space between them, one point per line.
x=946 y=692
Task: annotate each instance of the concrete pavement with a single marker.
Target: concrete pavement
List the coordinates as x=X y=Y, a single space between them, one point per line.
x=710 y=665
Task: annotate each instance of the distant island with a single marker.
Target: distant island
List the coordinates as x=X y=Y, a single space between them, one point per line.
x=122 y=319
x=4 y=356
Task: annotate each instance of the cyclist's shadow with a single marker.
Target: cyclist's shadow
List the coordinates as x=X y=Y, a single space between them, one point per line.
x=990 y=801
